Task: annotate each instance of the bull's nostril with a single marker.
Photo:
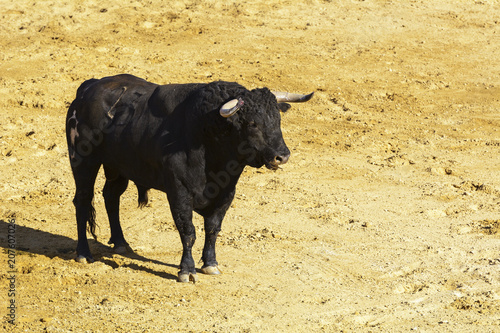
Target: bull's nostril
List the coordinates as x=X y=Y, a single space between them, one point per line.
x=281 y=159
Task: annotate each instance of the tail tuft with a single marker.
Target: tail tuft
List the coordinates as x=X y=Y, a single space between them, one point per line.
x=143 y=197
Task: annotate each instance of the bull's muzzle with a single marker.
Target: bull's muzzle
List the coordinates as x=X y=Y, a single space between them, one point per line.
x=277 y=161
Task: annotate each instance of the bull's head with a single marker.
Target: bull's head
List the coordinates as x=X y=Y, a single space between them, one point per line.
x=258 y=123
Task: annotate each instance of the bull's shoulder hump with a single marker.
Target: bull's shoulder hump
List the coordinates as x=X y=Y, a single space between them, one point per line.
x=169 y=96
x=179 y=88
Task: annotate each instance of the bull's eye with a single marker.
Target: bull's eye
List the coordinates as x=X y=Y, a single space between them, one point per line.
x=253 y=124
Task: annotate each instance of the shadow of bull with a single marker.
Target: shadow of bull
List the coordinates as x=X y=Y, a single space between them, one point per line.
x=26 y=240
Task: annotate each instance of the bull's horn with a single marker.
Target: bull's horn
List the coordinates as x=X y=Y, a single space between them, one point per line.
x=291 y=98
x=231 y=107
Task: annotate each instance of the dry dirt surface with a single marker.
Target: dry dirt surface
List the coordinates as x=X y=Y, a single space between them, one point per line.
x=385 y=219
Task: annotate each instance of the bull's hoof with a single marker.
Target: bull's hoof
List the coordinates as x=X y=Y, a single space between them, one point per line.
x=84 y=260
x=211 y=270
x=121 y=249
x=187 y=277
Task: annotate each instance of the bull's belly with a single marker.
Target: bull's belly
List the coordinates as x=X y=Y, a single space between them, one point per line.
x=136 y=170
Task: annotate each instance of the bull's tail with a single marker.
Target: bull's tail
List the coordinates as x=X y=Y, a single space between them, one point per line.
x=92 y=221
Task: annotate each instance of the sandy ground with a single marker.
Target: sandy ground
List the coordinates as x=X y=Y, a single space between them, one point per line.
x=385 y=219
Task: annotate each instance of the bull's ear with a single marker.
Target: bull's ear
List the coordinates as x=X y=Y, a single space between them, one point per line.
x=284 y=107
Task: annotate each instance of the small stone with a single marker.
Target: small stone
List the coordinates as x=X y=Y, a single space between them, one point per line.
x=105 y=301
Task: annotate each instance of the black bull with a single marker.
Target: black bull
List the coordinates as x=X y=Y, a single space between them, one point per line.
x=191 y=141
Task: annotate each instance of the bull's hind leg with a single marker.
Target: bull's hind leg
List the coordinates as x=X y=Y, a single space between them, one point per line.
x=112 y=191
x=85 y=175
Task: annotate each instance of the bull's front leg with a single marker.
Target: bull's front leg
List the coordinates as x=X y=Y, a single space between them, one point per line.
x=184 y=223
x=212 y=229
x=213 y=222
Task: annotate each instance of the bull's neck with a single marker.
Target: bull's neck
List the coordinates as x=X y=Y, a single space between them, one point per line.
x=223 y=157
